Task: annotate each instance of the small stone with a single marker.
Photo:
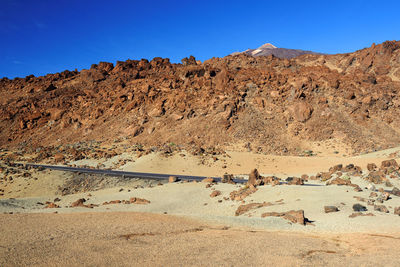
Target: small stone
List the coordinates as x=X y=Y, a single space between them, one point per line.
x=371 y=167
x=356 y=214
x=208 y=180
x=359 y=207
x=381 y=208
x=395 y=191
x=51 y=205
x=371 y=187
x=329 y=209
x=215 y=193
x=397 y=211
x=227 y=178
x=295 y=181
x=78 y=203
x=136 y=200
x=172 y=179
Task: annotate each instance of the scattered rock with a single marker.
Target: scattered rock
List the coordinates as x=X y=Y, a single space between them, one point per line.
x=136 y=200
x=356 y=214
x=59 y=157
x=373 y=194
x=296 y=181
x=51 y=205
x=389 y=163
x=395 y=191
x=371 y=167
x=242 y=193
x=227 y=178
x=359 y=207
x=361 y=199
x=397 y=211
x=329 y=209
x=254 y=176
x=301 y=111
x=336 y=168
x=78 y=203
x=381 y=208
x=208 y=180
x=172 y=179
x=246 y=207
x=112 y=202
x=339 y=181
x=293 y=216
x=215 y=193
x=376 y=177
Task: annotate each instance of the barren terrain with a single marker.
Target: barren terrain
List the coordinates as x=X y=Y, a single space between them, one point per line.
x=316 y=137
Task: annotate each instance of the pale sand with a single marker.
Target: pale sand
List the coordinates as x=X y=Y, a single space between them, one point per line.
x=74 y=237
x=193 y=200
x=137 y=239
x=242 y=162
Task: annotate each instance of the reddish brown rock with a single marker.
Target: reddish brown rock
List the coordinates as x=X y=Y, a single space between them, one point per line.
x=78 y=203
x=339 y=181
x=208 y=180
x=136 y=200
x=356 y=214
x=59 y=157
x=227 y=178
x=381 y=208
x=51 y=205
x=390 y=163
x=371 y=167
x=301 y=111
x=172 y=179
x=397 y=211
x=215 y=193
x=329 y=209
x=395 y=191
x=247 y=207
x=270 y=180
x=336 y=168
x=242 y=193
x=376 y=177
x=254 y=177
x=296 y=181
x=293 y=216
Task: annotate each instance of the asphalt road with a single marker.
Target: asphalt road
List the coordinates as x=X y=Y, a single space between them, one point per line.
x=141 y=175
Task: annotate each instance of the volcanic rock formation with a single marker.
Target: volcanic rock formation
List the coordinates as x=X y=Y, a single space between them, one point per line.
x=274 y=104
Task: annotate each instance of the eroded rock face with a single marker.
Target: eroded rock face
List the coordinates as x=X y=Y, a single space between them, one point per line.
x=304 y=97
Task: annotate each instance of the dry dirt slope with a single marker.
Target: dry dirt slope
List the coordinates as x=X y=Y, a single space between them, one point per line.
x=274 y=104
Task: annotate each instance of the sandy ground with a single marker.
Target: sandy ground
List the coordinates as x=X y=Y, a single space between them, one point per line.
x=183 y=225
x=240 y=163
x=137 y=239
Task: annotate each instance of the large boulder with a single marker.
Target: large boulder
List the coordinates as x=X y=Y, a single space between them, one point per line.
x=301 y=111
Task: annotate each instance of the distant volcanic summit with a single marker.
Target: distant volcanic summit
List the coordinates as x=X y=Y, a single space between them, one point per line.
x=269 y=49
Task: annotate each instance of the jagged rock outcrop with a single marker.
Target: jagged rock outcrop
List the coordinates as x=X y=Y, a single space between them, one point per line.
x=274 y=104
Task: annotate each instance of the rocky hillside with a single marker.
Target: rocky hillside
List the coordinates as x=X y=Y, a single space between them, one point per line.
x=275 y=105
x=269 y=49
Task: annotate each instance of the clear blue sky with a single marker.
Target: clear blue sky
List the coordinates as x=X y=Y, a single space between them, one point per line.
x=46 y=36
